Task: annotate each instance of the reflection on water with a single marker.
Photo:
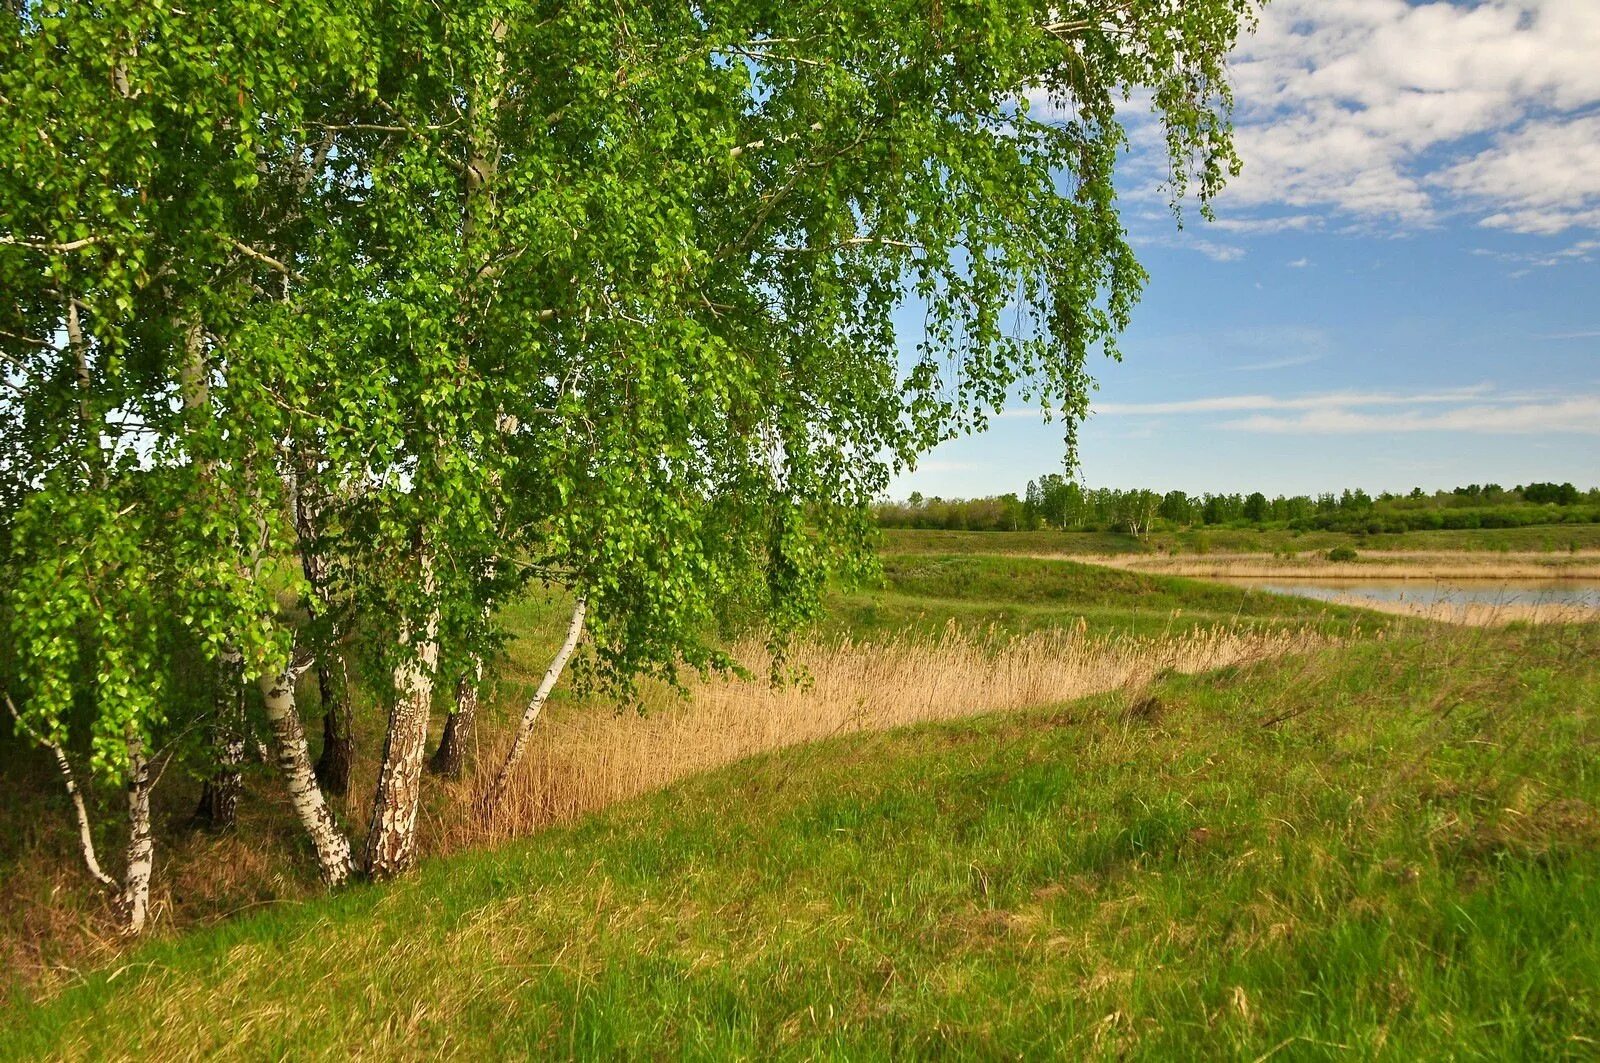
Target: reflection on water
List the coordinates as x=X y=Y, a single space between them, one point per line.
x=1568 y=593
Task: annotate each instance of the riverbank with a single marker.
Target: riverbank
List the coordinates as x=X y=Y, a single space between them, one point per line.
x=1375 y=564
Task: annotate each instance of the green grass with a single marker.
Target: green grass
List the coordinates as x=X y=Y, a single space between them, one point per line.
x=1544 y=539
x=1405 y=864
x=1015 y=594
x=922 y=541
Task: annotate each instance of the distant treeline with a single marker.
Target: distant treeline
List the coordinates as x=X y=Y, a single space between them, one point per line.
x=1054 y=501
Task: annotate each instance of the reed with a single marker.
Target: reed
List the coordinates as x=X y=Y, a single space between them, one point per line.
x=585 y=760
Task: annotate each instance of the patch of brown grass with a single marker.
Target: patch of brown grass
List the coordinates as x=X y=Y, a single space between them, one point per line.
x=584 y=761
x=586 y=756
x=1475 y=614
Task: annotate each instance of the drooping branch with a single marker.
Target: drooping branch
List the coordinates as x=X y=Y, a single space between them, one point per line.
x=85 y=835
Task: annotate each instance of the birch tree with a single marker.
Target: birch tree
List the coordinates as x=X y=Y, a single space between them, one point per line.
x=667 y=246
x=144 y=521
x=339 y=324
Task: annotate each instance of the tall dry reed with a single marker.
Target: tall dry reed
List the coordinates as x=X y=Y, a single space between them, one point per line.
x=587 y=759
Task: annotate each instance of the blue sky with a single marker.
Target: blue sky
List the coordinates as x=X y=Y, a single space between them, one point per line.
x=1402 y=290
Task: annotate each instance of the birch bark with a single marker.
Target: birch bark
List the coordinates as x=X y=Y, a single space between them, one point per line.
x=294 y=760
x=391 y=836
x=519 y=745
x=134 y=901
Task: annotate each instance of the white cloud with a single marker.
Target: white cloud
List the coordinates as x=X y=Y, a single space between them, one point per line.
x=1186 y=240
x=1214 y=251
x=1279 y=224
x=1478 y=408
x=1300 y=263
x=1287 y=362
x=1542 y=178
x=1325 y=400
x=1395 y=112
x=1576 y=415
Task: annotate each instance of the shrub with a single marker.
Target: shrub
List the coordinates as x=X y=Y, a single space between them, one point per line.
x=1342 y=553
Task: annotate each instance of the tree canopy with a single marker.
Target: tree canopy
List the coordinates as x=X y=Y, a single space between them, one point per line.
x=455 y=299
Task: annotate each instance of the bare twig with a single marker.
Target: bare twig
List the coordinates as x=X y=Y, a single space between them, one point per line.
x=48 y=247
x=261 y=257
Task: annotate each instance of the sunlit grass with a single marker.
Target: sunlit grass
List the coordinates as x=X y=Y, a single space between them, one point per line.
x=1389 y=848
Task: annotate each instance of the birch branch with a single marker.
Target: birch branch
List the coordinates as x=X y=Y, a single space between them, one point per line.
x=85 y=835
x=52 y=248
x=530 y=715
x=263 y=258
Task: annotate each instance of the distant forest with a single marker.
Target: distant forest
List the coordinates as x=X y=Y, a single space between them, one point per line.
x=1054 y=501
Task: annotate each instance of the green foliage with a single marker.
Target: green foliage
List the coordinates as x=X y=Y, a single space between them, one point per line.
x=1342 y=553
x=592 y=296
x=133 y=467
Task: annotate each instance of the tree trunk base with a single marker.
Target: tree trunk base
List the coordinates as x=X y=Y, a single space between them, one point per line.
x=333 y=766
x=449 y=760
x=218 y=809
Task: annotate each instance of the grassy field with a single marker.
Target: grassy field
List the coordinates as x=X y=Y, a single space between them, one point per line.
x=1023 y=806
x=925 y=591
x=1551 y=539
x=936 y=640
x=1386 y=849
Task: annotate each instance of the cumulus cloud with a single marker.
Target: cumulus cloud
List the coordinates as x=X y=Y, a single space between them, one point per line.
x=1542 y=178
x=1397 y=113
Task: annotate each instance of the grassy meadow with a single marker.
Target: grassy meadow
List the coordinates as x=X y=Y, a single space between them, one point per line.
x=1022 y=805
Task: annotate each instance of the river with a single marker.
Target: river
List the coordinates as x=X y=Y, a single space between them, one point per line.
x=1566 y=594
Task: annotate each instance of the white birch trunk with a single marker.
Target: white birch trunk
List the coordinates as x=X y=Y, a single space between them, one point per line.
x=134 y=901
x=294 y=760
x=530 y=715
x=391 y=836
x=80 y=812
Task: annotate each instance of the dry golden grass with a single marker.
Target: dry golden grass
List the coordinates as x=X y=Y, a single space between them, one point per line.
x=589 y=754
x=585 y=760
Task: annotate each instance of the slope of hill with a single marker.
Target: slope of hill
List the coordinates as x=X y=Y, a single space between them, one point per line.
x=1392 y=847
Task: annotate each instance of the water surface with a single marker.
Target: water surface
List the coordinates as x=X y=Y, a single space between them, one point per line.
x=1566 y=593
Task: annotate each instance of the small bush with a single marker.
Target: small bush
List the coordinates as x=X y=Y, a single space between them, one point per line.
x=1342 y=553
